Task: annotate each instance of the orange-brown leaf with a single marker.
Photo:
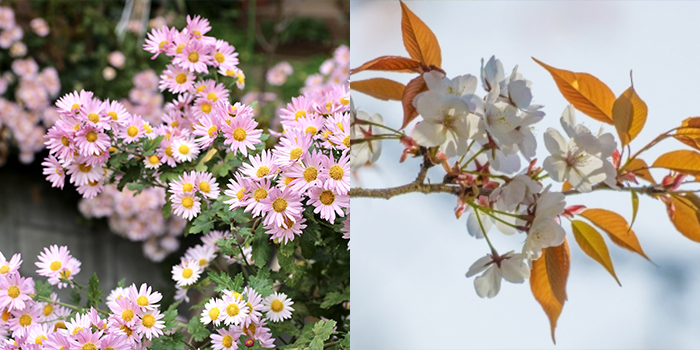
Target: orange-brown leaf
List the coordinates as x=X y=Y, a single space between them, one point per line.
x=413 y=88
x=640 y=168
x=381 y=88
x=566 y=186
x=391 y=64
x=686 y=215
x=586 y=92
x=592 y=243
x=682 y=161
x=617 y=229
x=548 y=281
x=419 y=40
x=689 y=132
x=629 y=115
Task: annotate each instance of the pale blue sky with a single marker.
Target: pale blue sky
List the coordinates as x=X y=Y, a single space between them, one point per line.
x=409 y=254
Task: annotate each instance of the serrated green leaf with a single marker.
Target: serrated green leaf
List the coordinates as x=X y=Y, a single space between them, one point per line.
x=197 y=329
x=175 y=341
x=286 y=327
x=132 y=173
x=167 y=209
x=43 y=290
x=75 y=297
x=223 y=281
x=322 y=331
x=345 y=343
x=202 y=224
x=94 y=291
x=335 y=298
x=288 y=249
x=169 y=317
x=261 y=247
x=261 y=282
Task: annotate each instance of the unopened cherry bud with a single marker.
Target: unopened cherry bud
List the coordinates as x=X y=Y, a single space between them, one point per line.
x=249 y=342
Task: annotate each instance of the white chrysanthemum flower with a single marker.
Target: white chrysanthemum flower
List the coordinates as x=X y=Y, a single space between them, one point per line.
x=184 y=150
x=278 y=307
x=510 y=267
x=186 y=273
x=214 y=311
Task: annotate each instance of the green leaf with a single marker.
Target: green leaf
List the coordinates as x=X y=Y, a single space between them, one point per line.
x=167 y=209
x=121 y=283
x=136 y=186
x=322 y=331
x=197 y=329
x=345 y=343
x=75 y=297
x=335 y=298
x=131 y=174
x=170 y=316
x=261 y=247
x=94 y=291
x=635 y=206
x=261 y=282
x=175 y=341
x=202 y=224
x=286 y=327
x=223 y=282
x=288 y=249
x=150 y=145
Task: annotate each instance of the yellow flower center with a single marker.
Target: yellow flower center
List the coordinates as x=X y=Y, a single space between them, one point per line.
x=13 y=292
x=55 y=266
x=169 y=151
x=148 y=321
x=240 y=194
x=212 y=96
x=288 y=180
x=75 y=106
x=147 y=127
x=179 y=48
x=127 y=315
x=65 y=274
x=345 y=101
x=336 y=172
x=113 y=115
x=132 y=131
x=91 y=136
x=259 y=194
x=153 y=160
x=85 y=168
x=112 y=149
x=212 y=131
x=183 y=149
x=39 y=339
x=126 y=330
x=88 y=346
x=204 y=187
x=203 y=262
x=214 y=313
x=262 y=171
x=295 y=153
x=227 y=341
x=239 y=134
x=93 y=117
x=193 y=57
x=327 y=197
x=142 y=301
x=279 y=205
x=59 y=325
x=299 y=114
x=219 y=57
x=6 y=315
x=311 y=130
x=346 y=141
x=188 y=203
x=249 y=330
x=161 y=45
x=65 y=141
x=187 y=273
x=187 y=187
x=276 y=306
x=25 y=320
x=181 y=78
x=206 y=108
x=48 y=309
x=232 y=310
x=196 y=33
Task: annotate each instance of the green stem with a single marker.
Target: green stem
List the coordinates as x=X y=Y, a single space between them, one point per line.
x=484 y=148
x=367 y=122
x=478 y=218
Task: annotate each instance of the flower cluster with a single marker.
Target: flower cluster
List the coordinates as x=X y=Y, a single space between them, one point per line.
x=36 y=321
x=278 y=74
x=28 y=113
x=333 y=71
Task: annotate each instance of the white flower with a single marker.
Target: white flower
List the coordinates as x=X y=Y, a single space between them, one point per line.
x=583 y=159
x=463 y=85
x=368 y=152
x=545 y=231
x=492 y=74
x=446 y=122
x=509 y=266
x=518 y=191
x=186 y=273
x=278 y=307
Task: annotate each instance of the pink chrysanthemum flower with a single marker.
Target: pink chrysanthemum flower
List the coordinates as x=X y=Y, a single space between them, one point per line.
x=158 y=40
x=152 y=162
x=143 y=296
x=25 y=318
x=337 y=174
x=71 y=103
x=260 y=167
x=176 y=79
x=203 y=107
x=90 y=141
x=93 y=114
x=57 y=340
x=202 y=254
x=165 y=153
x=198 y=26
x=81 y=172
x=91 y=189
x=11 y=266
x=281 y=208
x=298 y=108
x=186 y=273
x=86 y=339
x=207 y=185
x=328 y=203
x=241 y=134
x=307 y=173
x=234 y=72
x=224 y=55
x=237 y=191
x=312 y=124
x=57 y=263
x=15 y=291
x=278 y=307
x=255 y=306
x=213 y=312
x=150 y=324
x=187 y=182
x=260 y=190
x=226 y=339
x=60 y=142
x=184 y=149
x=54 y=171
x=339 y=137
x=210 y=238
x=213 y=91
x=115 y=341
x=291 y=148
x=194 y=57
x=235 y=309
x=38 y=333
x=286 y=233
x=116 y=112
x=207 y=131
x=124 y=311
x=132 y=130
x=186 y=205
